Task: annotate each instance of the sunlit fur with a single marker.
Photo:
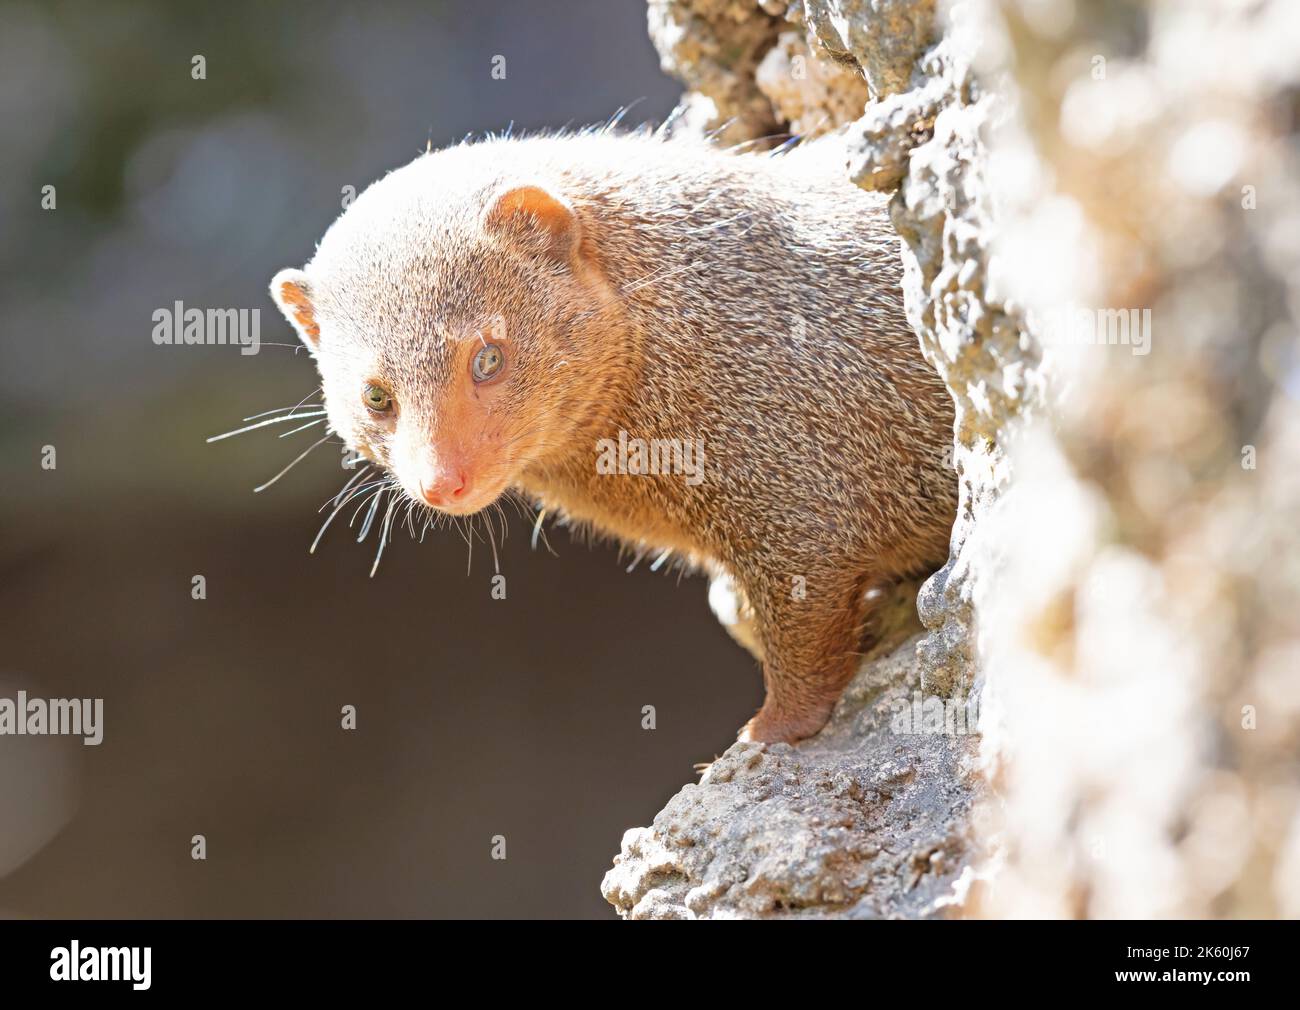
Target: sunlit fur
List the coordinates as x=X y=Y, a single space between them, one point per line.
x=668 y=290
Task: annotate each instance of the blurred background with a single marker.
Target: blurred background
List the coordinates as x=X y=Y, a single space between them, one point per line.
x=475 y=717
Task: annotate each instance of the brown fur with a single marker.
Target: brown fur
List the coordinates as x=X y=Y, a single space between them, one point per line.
x=665 y=290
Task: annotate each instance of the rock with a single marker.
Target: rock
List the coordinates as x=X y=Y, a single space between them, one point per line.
x=810 y=94
x=975 y=339
x=715 y=46
x=861 y=821
x=882 y=37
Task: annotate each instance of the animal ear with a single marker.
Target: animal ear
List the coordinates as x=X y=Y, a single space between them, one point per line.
x=536 y=216
x=292 y=292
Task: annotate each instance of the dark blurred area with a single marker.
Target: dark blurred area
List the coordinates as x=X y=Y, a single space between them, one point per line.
x=476 y=717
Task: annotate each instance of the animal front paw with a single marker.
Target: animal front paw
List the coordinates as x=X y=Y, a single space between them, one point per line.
x=774 y=726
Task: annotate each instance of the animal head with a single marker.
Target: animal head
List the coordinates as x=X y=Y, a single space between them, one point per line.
x=461 y=324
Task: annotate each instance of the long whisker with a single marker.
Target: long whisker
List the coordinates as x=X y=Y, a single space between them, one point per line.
x=505 y=520
x=370 y=516
x=383 y=534
x=487 y=521
x=295 y=347
x=357 y=490
x=309 y=424
x=363 y=504
x=263 y=424
x=337 y=509
x=274 y=410
x=538 y=528
x=341 y=490
x=297 y=459
x=524 y=509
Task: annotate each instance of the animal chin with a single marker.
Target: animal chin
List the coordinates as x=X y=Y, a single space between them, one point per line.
x=475 y=501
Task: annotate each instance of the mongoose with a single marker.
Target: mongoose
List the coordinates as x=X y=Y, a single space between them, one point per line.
x=560 y=314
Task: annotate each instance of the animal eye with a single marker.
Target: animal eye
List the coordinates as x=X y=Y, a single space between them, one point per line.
x=377 y=398
x=487 y=362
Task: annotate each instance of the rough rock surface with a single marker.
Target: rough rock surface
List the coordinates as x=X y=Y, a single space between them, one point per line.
x=881 y=37
x=715 y=47
x=860 y=822
x=807 y=92
x=977 y=342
